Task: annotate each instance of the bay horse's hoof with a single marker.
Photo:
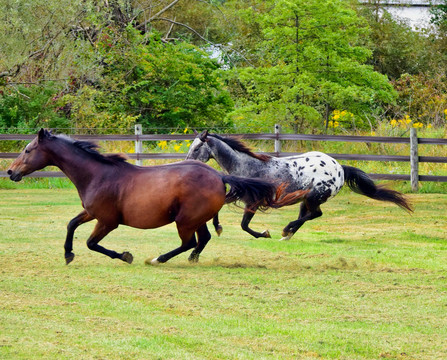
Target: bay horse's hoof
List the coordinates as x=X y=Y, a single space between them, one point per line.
x=127 y=257
x=219 y=230
x=193 y=258
x=69 y=258
x=153 y=262
x=266 y=234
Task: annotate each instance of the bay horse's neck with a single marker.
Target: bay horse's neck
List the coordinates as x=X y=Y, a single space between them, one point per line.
x=232 y=161
x=79 y=168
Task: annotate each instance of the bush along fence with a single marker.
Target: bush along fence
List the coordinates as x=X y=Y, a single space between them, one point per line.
x=413 y=158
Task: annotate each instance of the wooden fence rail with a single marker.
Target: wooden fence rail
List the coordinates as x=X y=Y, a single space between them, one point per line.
x=277 y=137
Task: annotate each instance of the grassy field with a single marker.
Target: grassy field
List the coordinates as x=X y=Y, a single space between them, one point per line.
x=365 y=281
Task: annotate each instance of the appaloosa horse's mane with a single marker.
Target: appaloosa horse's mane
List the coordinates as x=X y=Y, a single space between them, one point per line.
x=237 y=145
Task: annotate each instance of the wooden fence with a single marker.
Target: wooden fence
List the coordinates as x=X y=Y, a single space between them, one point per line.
x=278 y=138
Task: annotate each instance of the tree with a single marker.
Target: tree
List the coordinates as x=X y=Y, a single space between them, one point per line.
x=109 y=64
x=311 y=60
x=163 y=85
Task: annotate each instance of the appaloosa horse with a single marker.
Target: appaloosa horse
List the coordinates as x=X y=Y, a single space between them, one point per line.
x=314 y=171
x=115 y=192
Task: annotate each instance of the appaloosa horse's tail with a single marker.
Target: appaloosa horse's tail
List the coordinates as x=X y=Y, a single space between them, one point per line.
x=361 y=183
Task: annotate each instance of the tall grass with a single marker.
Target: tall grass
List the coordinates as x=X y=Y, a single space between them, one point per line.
x=378 y=167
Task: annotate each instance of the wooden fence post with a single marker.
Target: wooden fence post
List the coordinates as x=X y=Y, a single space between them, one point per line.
x=277 y=141
x=414 y=160
x=138 y=143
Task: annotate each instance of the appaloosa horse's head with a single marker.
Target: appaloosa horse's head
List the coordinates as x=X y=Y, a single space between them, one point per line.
x=32 y=158
x=199 y=149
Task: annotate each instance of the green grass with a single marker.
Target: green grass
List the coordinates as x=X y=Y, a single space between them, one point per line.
x=365 y=281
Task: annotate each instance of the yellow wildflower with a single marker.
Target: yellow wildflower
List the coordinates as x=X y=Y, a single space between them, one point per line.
x=162 y=144
x=177 y=147
x=418 y=125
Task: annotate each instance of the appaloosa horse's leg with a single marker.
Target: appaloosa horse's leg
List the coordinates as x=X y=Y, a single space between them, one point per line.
x=80 y=219
x=310 y=209
x=203 y=237
x=249 y=212
x=216 y=224
x=99 y=232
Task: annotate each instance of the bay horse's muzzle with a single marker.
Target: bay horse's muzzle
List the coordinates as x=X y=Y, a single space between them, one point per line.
x=14 y=176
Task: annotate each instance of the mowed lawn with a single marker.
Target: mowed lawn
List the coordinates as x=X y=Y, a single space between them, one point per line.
x=365 y=281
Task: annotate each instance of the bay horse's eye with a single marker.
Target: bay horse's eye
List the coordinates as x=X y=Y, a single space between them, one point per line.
x=27 y=151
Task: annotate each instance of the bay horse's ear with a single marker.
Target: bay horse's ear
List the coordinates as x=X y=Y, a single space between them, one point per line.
x=43 y=134
x=203 y=135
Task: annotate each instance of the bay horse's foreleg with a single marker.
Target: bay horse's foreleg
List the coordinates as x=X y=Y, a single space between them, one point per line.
x=186 y=245
x=248 y=215
x=99 y=232
x=80 y=219
x=203 y=237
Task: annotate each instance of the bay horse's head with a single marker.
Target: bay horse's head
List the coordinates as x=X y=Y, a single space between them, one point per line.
x=32 y=158
x=199 y=149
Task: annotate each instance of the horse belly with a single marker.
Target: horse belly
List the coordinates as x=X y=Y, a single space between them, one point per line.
x=147 y=210
x=178 y=194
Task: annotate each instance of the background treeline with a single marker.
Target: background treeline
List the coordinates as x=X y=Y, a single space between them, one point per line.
x=310 y=65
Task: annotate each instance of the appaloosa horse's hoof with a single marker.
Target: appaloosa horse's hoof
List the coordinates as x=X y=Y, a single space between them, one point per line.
x=69 y=258
x=127 y=257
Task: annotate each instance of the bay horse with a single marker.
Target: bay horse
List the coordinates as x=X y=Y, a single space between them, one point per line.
x=116 y=192
x=314 y=171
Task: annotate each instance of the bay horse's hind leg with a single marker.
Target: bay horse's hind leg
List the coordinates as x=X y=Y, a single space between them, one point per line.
x=188 y=242
x=203 y=237
x=99 y=232
x=248 y=215
x=80 y=219
x=309 y=210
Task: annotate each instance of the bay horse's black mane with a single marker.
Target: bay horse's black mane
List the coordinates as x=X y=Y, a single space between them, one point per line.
x=91 y=150
x=236 y=144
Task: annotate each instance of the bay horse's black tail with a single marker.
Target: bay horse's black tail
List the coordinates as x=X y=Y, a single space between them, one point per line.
x=262 y=194
x=361 y=183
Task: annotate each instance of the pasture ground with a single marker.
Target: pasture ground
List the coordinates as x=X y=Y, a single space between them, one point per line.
x=365 y=281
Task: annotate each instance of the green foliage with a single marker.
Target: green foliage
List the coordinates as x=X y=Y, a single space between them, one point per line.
x=292 y=62
x=439 y=14
x=423 y=98
x=311 y=57
x=31 y=107
x=396 y=48
x=160 y=84
x=91 y=108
